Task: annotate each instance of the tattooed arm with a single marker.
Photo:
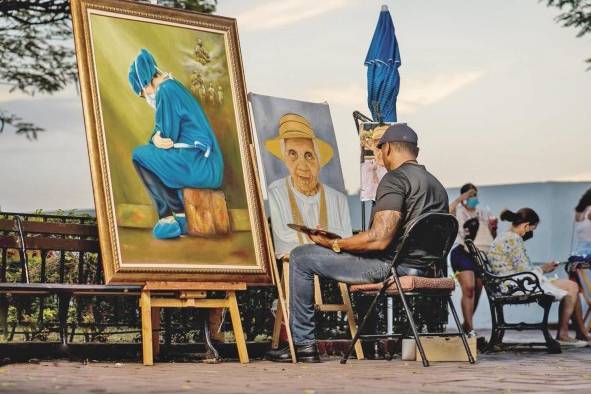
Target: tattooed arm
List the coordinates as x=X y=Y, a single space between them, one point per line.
x=378 y=237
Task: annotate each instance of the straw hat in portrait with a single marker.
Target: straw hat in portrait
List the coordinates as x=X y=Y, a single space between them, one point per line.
x=296 y=126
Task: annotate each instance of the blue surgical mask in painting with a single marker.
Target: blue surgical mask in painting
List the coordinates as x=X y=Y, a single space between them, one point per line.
x=472 y=202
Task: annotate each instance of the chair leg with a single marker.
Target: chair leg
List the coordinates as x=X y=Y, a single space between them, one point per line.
x=63 y=305
x=4 y=316
x=362 y=325
x=461 y=330
x=494 y=332
x=500 y=320
x=552 y=345
x=411 y=320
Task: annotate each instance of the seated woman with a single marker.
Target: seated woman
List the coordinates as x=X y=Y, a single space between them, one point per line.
x=507 y=256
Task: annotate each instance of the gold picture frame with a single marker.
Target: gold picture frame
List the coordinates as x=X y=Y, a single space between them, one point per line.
x=106 y=32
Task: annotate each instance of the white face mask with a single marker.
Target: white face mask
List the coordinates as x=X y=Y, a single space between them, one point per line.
x=150 y=99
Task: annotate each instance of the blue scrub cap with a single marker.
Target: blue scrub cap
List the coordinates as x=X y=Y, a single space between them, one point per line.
x=142 y=71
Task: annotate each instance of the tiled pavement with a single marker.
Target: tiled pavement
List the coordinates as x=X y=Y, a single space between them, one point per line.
x=505 y=372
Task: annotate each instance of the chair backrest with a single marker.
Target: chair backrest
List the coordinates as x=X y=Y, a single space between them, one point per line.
x=479 y=257
x=427 y=241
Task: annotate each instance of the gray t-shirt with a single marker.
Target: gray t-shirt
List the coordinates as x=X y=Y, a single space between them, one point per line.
x=411 y=190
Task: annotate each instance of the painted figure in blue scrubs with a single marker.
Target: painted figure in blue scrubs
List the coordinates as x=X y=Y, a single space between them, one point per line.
x=182 y=150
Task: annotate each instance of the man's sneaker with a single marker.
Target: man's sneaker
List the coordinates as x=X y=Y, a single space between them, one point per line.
x=471 y=334
x=304 y=354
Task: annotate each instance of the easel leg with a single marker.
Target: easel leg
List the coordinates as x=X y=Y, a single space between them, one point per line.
x=146 y=310
x=156 y=328
x=237 y=327
x=317 y=291
x=351 y=319
x=285 y=285
x=277 y=326
x=283 y=291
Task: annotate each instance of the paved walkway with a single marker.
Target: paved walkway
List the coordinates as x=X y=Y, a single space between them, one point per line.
x=505 y=372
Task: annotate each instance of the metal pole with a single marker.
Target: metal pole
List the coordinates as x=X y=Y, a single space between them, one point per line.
x=390 y=315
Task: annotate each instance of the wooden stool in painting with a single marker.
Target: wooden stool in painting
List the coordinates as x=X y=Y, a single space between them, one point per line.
x=207 y=212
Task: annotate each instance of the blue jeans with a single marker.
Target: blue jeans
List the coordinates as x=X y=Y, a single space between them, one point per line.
x=305 y=261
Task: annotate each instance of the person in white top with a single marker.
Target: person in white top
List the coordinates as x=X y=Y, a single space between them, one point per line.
x=582 y=231
x=476 y=225
x=300 y=197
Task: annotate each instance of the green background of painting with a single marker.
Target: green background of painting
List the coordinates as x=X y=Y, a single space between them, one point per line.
x=128 y=122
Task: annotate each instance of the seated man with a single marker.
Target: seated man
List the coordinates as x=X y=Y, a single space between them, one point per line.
x=407 y=191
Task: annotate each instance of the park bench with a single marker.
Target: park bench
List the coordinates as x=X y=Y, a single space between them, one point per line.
x=517 y=289
x=43 y=234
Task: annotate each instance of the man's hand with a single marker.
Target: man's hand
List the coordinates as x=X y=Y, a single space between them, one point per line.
x=549 y=267
x=321 y=240
x=162 y=143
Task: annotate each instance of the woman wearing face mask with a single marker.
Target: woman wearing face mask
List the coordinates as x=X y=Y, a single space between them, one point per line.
x=474 y=224
x=182 y=150
x=507 y=256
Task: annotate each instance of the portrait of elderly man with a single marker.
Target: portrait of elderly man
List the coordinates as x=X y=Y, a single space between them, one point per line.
x=300 y=197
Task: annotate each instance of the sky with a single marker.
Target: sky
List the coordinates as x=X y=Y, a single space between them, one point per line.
x=496 y=90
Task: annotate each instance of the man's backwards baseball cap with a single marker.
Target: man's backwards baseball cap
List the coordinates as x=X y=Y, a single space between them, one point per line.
x=399 y=132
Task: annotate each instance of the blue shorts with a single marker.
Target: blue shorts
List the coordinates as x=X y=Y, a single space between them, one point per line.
x=461 y=260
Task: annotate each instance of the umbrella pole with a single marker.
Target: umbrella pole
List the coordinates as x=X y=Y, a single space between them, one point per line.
x=358 y=117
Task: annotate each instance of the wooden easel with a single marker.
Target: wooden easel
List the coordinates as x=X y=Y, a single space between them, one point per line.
x=282 y=306
x=156 y=295
x=281 y=314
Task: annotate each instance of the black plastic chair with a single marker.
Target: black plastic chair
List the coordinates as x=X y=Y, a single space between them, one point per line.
x=425 y=243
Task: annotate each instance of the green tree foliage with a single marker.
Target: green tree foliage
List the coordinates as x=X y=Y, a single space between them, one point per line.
x=37 y=49
x=575 y=13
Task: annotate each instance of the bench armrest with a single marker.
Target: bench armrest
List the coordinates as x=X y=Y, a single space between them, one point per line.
x=521 y=283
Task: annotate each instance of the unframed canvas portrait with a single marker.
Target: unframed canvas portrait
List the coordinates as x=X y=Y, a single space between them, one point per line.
x=169 y=142
x=302 y=169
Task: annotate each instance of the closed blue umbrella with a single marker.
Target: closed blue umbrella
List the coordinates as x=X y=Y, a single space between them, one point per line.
x=382 y=61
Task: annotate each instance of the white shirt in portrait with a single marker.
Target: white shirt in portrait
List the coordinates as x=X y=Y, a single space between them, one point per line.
x=284 y=238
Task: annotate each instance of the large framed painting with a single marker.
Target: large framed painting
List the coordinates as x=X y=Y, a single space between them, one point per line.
x=170 y=144
x=301 y=167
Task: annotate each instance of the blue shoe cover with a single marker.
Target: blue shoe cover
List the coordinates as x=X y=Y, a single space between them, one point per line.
x=182 y=221
x=167 y=228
